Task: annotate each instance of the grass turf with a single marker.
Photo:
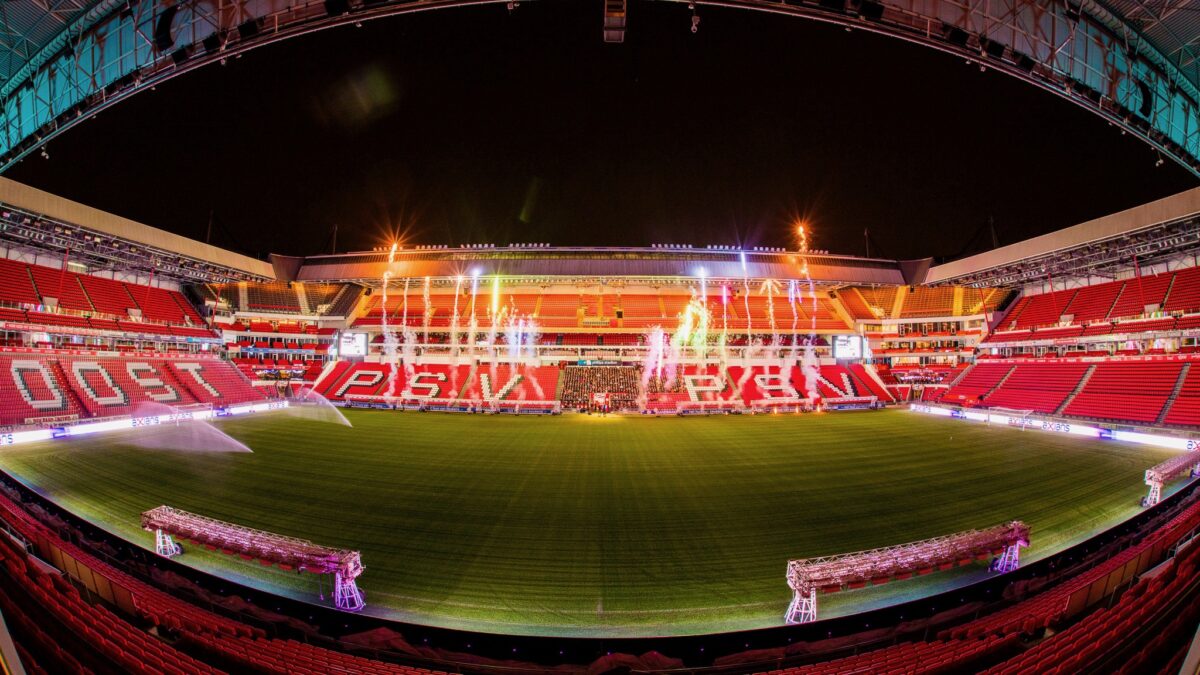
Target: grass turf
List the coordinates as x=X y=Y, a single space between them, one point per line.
x=601 y=526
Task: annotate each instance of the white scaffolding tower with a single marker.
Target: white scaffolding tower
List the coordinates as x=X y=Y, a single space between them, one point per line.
x=1161 y=474
x=287 y=552
x=855 y=570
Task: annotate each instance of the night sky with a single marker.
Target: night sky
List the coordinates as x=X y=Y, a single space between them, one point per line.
x=477 y=125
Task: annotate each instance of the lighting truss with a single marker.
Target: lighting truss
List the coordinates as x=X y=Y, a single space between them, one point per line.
x=1161 y=474
x=300 y=554
x=1131 y=71
x=1096 y=258
x=833 y=573
x=103 y=251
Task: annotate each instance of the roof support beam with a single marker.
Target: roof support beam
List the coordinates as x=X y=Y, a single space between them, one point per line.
x=1083 y=53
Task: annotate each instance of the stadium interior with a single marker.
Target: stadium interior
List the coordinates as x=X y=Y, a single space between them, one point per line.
x=1094 y=327
x=520 y=458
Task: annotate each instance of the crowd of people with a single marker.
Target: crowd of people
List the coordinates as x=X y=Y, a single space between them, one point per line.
x=622 y=384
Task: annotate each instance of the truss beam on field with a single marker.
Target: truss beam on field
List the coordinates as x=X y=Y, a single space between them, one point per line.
x=1161 y=474
x=827 y=574
x=1083 y=52
x=290 y=552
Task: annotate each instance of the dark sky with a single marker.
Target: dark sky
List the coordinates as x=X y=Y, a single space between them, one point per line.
x=476 y=125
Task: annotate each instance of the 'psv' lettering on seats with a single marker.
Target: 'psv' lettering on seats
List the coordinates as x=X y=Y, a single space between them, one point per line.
x=775 y=386
x=427 y=389
x=362 y=378
x=485 y=385
x=194 y=369
x=20 y=369
x=700 y=384
x=80 y=370
x=151 y=381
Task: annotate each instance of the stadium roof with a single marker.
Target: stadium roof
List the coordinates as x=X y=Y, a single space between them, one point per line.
x=1172 y=26
x=29 y=26
x=1133 y=62
x=37 y=220
x=26 y=27
x=1161 y=229
x=556 y=264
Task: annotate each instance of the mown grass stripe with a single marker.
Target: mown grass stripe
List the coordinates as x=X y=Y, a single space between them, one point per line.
x=616 y=526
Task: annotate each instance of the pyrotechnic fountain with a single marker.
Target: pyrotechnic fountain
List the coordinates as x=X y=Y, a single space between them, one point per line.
x=655 y=363
x=665 y=357
x=692 y=332
x=768 y=288
x=746 y=349
x=473 y=322
x=428 y=311
x=521 y=336
x=792 y=350
x=454 y=344
x=495 y=313
x=723 y=340
x=408 y=346
x=389 y=337
x=810 y=366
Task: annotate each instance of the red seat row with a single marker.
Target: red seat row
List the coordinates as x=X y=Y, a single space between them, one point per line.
x=24 y=284
x=138 y=652
x=1078 y=647
x=1169 y=292
x=116 y=640
x=1050 y=606
x=911 y=657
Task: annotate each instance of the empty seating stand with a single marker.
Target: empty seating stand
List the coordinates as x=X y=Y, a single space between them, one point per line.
x=52 y=611
x=1185 y=409
x=1041 y=387
x=1184 y=295
x=1093 y=302
x=275 y=297
x=108 y=296
x=879 y=301
x=928 y=301
x=1126 y=390
x=84 y=301
x=982 y=378
x=1140 y=293
x=1039 y=310
x=63 y=286
x=16 y=285
x=1111 y=307
x=854 y=303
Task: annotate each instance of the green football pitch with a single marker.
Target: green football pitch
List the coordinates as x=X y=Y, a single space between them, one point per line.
x=614 y=526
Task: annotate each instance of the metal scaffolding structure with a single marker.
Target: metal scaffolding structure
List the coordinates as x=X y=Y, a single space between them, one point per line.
x=287 y=552
x=1125 y=61
x=101 y=251
x=829 y=574
x=1159 y=475
x=1107 y=257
